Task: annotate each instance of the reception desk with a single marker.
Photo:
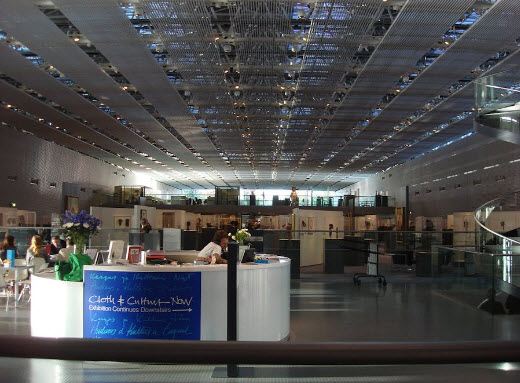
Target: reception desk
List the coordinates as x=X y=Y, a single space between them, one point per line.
x=163 y=302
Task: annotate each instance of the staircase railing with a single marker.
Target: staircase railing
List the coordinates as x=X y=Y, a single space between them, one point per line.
x=506 y=202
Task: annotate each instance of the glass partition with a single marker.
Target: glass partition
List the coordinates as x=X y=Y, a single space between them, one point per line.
x=497 y=91
x=497 y=103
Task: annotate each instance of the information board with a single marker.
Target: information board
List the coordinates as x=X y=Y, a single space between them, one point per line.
x=141 y=305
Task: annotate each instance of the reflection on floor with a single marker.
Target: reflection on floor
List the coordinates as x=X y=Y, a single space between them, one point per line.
x=331 y=308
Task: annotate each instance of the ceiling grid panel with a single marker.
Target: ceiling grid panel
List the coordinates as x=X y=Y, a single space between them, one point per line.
x=20 y=99
x=185 y=30
x=19 y=68
x=417 y=26
x=109 y=130
x=49 y=42
x=111 y=32
x=429 y=130
x=256 y=26
x=326 y=57
x=482 y=40
x=68 y=126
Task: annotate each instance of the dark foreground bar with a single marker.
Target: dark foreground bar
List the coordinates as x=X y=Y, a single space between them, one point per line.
x=256 y=353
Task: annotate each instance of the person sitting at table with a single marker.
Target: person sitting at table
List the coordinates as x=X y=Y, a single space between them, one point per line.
x=56 y=245
x=36 y=250
x=215 y=248
x=8 y=244
x=64 y=253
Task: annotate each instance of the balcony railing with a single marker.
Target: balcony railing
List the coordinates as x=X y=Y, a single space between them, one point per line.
x=281 y=200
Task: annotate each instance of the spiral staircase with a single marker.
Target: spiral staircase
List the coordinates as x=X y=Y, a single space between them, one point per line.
x=497 y=100
x=502 y=246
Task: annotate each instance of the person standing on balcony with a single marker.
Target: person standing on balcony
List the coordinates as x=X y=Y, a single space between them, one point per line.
x=145 y=226
x=294 y=197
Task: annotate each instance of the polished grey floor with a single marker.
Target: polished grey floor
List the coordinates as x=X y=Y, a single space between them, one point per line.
x=331 y=308
x=47 y=371
x=327 y=308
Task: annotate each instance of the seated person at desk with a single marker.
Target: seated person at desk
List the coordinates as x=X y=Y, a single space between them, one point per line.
x=215 y=248
x=8 y=244
x=56 y=245
x=64 y=253
x=36 y=250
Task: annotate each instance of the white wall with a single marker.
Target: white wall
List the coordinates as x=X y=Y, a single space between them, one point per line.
x=510 y=219
x=312 y=244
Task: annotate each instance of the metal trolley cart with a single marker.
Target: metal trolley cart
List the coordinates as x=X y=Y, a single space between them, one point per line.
x=372 y=267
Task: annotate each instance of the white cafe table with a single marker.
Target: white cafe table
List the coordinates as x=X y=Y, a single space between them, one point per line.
x=17 y=270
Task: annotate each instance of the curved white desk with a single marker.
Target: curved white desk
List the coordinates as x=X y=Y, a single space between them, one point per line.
x=263 y=301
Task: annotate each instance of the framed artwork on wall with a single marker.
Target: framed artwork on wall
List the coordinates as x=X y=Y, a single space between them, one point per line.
x=312 y=223
x=122 y=222
x=143 y=214
x=72 y=204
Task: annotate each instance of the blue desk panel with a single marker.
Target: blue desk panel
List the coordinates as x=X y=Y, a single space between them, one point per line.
x=141 y=305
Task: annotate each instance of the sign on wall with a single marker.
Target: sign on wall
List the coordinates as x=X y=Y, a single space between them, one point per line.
x=141 y=305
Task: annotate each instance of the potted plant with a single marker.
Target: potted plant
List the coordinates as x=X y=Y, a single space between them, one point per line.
x=240 y=236
x=78 y=227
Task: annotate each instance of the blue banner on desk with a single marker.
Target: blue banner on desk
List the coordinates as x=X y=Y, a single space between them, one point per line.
x=141 y=305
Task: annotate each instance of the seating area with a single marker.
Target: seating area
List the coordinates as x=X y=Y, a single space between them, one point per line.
x=16 y=281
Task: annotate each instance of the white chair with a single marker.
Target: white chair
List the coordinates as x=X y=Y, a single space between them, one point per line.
x=92 y=253
x=22 y=274
x=7 y=289
x=39 y=265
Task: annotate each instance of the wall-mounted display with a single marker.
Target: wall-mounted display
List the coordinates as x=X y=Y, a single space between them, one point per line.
x=72 y=204
x=122 y=222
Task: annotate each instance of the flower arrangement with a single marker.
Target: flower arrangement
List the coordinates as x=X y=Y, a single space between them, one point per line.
x=79 y=227
x=240 y=236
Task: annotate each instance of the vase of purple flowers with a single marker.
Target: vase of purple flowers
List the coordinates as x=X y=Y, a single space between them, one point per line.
x=79 y=227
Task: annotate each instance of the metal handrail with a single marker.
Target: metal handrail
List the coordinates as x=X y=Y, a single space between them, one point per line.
x=454 y=248
x=259 y=353
x=480 y=208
